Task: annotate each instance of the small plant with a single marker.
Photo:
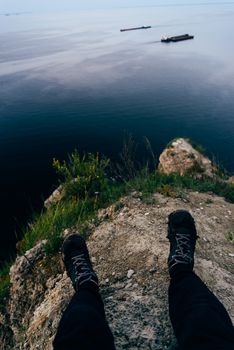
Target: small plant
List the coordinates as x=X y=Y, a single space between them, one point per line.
x=151 y=152
x=172 y=141
x=127 y=167
x=230 y=237
x=219 y=171
x=181 y=193
x=149 y=199
x=53 y=244
x=195 y=145
x=166 y=190
x=209 y=201
x=118 y=206
x=195 y=169
x=191 y=156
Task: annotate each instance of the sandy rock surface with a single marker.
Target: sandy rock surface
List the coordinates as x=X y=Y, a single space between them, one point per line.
x=181 y=157
x=129 y=250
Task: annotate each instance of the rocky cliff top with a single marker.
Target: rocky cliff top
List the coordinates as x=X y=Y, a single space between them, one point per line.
x=129 y=251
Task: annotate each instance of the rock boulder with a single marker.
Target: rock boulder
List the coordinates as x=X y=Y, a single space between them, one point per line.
x=181 y=157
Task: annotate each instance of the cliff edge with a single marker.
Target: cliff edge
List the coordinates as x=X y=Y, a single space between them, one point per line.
x=129 y=250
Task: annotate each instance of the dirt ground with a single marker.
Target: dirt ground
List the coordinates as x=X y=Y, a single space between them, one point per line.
x=129 y=251
x=134 y=238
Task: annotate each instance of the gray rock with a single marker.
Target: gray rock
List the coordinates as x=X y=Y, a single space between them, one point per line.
x=181 y=157
x=130 y=273
x=55 y=197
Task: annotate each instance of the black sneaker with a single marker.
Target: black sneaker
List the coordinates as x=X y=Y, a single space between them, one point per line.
x=182 y=235
x=77 y=261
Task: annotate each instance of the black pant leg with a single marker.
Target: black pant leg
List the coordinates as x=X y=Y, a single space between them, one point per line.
x=199 y=320
x=83 y=325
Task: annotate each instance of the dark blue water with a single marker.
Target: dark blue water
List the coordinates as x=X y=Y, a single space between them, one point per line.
x=74 y=81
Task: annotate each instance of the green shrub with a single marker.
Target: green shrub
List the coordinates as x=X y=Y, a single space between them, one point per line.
x=82 y=176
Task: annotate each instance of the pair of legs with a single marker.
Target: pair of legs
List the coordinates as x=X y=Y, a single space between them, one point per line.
x=199 y=320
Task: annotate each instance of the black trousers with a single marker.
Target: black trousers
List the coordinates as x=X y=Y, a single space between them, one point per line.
x=199 y=320
x=83 y=325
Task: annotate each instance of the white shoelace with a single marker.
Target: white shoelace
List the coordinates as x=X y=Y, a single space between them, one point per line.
x=183 y=247
x=85 y=271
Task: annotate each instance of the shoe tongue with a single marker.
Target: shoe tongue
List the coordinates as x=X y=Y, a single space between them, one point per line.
x=184 y=230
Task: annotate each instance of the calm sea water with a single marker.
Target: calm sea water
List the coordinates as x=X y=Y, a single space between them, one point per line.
x=74 y=81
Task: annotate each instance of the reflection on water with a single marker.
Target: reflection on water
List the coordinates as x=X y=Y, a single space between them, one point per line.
x=74 y=80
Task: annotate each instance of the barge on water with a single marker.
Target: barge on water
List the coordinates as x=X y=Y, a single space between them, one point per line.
x=135 y=28
x=174 y=39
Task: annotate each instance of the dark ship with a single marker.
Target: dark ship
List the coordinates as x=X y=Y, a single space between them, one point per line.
x=174 y=39
x=135 y=28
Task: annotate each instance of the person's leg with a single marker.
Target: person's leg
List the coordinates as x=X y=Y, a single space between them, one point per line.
x=199 y=320
x=83 y=325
